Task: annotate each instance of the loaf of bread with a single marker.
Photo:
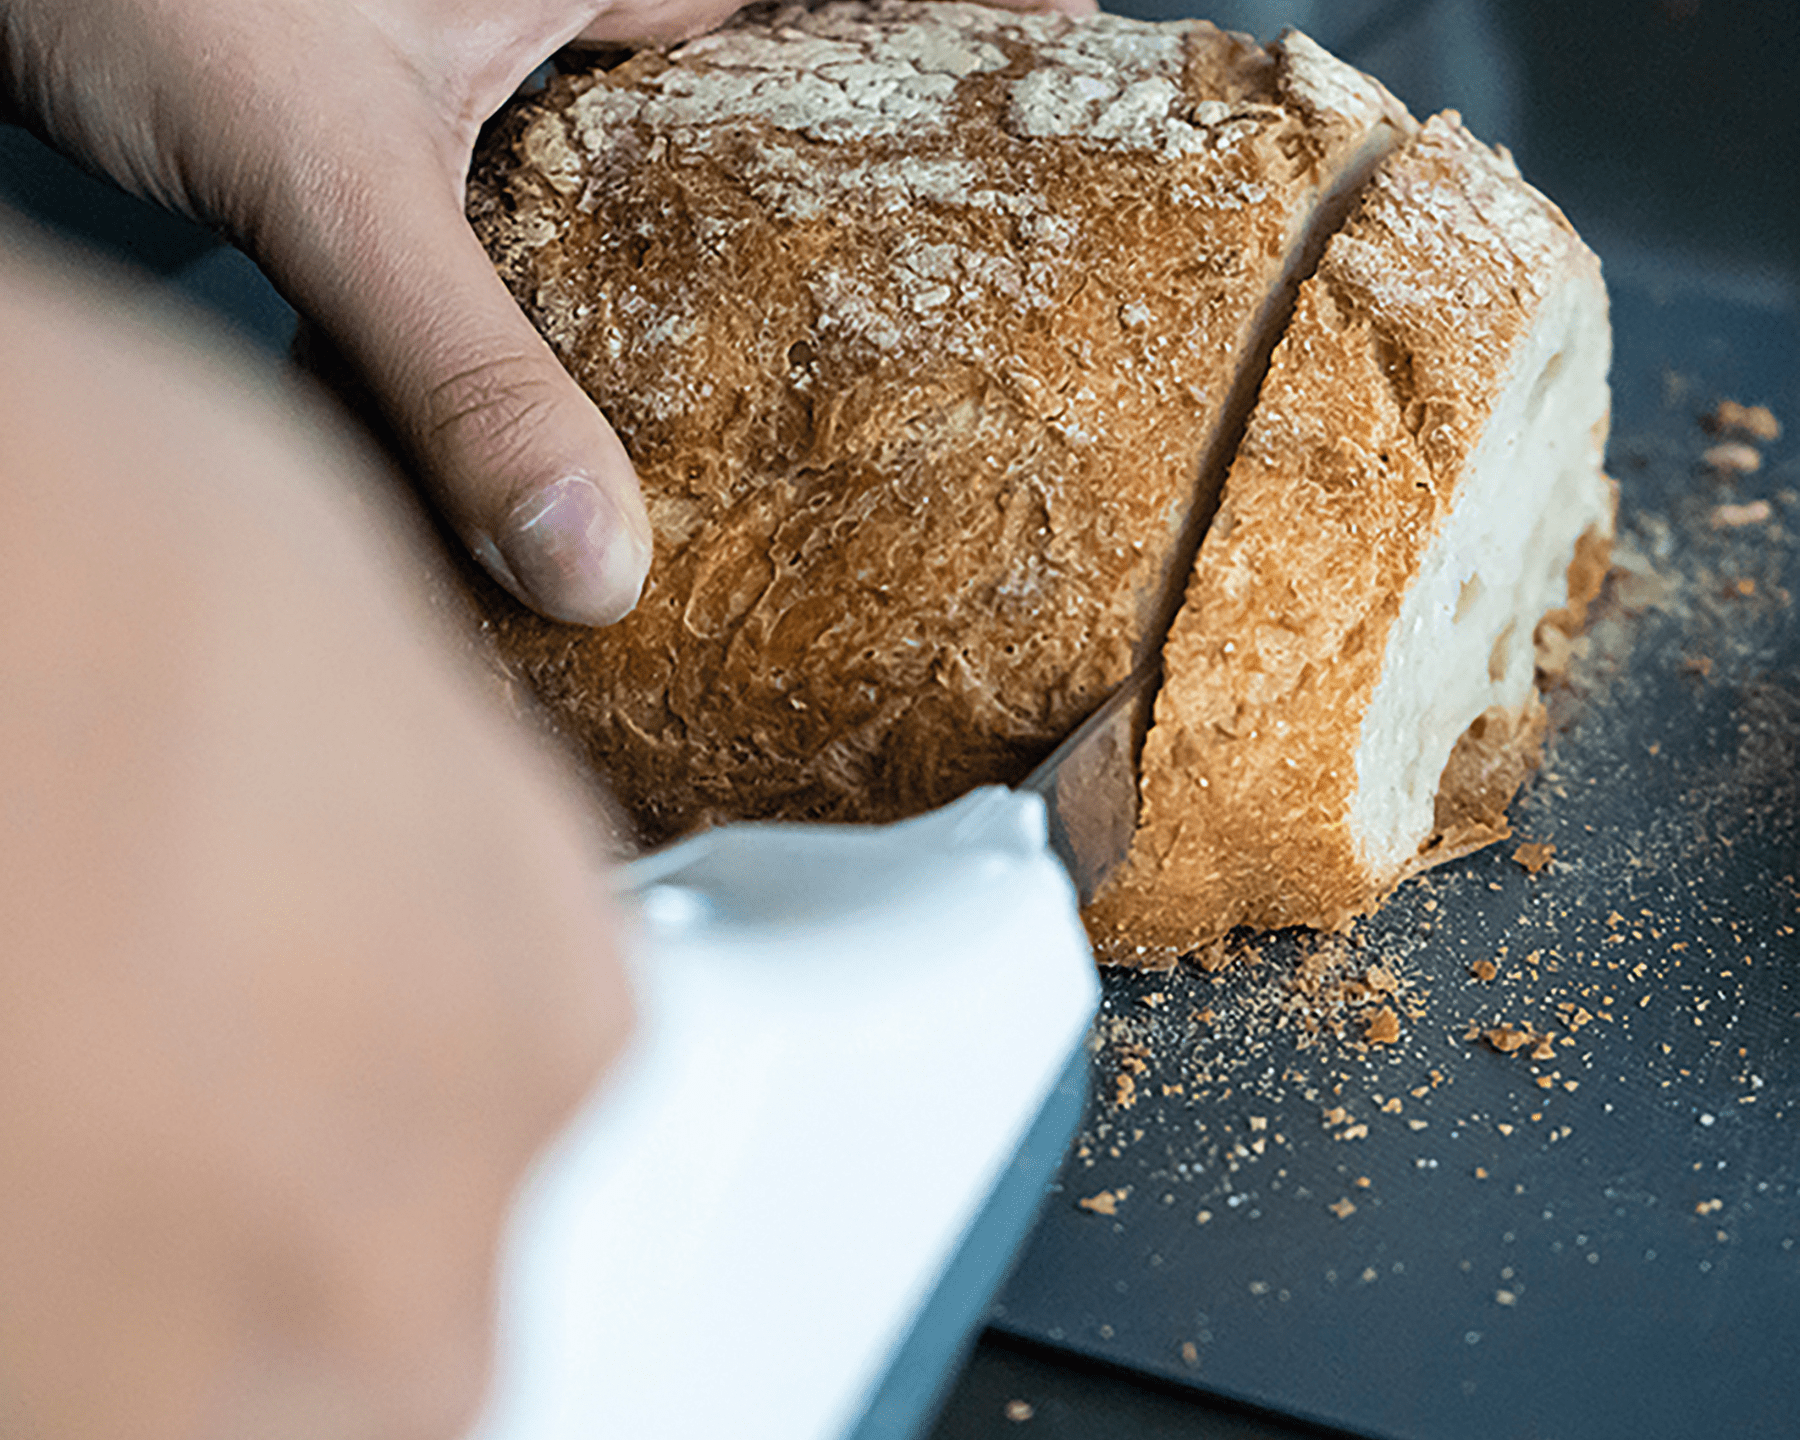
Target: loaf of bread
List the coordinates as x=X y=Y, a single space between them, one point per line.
x=934 y=330
x=930 y=329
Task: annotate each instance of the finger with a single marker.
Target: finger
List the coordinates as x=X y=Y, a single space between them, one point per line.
x=1077 y=9
x=518 y=459
x=658 y=22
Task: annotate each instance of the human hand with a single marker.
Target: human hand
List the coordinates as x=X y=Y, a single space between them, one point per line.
x=306 y=950
x=331 y=140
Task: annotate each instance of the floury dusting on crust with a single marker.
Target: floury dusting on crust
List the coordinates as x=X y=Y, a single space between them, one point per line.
x=927 y=327
x=1418 y=498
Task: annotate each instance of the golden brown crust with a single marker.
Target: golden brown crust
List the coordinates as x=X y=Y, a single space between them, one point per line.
x=920 y=361
x=1373 y=408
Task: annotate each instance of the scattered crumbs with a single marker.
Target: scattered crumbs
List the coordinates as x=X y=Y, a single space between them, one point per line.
x=1343 y=1208
x=1534 y=855
x=1507 y=1038
x=1709 y=1207
x=1105 y=1203
x=1392 y=1107
x=1018 y=1411
x=1125 y=1091
x=1336 y=1115
x=1417 y=1124
x=1484 y=970
x=1154 y=1000
x=1701 y=665
x=1259 y=1122
x=1757 y=421
x=1735 y=517
x=1383 y=1027
x=1732 y=457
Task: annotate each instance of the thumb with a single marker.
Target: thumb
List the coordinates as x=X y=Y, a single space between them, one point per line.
x=516 y=457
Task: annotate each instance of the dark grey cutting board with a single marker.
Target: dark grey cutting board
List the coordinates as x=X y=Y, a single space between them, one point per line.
x=1606 y=1243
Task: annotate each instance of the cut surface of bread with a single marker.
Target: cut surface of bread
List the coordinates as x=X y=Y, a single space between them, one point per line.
x=930 y=329
x=1350 y=685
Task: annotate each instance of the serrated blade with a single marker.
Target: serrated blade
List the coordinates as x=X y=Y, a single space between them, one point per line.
x=1089 y=784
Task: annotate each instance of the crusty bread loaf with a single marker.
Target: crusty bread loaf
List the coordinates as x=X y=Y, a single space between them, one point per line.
x=930 y=329
x=933 y=330
x=1349 y=692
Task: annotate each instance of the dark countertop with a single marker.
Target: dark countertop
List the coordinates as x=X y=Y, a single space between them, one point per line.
x=1628 y=1262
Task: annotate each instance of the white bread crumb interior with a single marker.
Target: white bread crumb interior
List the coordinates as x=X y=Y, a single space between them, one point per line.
x=1349 y=692
x=933 y=331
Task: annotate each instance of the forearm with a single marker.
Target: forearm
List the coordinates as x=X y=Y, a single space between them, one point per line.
x=304 y=953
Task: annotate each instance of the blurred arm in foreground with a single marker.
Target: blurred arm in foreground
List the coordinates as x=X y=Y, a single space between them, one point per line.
x=306 y=952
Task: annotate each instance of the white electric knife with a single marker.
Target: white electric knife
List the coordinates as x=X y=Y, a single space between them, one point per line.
x=845 y=1035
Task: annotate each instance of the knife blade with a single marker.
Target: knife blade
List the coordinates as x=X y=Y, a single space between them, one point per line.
x=1089 y=783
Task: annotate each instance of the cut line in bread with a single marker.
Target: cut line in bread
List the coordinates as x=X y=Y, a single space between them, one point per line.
x=933 y=330
x=930 y=329
x=1349 y=692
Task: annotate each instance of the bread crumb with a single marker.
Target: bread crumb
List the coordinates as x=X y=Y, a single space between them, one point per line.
x=1733 y=517
x=1343 y=1208
x=1506 y=1038
x=1709 y=1207
x=1105 y=1203
x=1190 y=1352
x=1756 y=421
x=1484 y=970
x=1534 y=856
x=1383 y=1027
x=1733 y=458
x=1018 y=1411
x=1505 y=1297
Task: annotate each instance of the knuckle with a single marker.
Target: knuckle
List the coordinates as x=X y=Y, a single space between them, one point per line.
x=493 y=409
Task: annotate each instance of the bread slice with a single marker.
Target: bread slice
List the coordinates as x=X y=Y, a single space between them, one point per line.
x=1349 y=691
x=931 y=329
